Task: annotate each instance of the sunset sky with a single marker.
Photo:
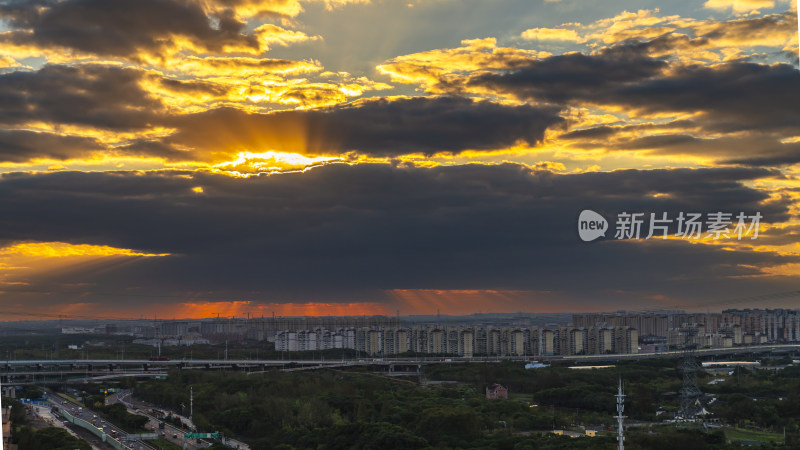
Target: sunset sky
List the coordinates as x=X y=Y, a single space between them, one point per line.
x=188 y=158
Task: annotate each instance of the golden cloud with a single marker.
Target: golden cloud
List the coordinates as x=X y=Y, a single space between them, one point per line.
x=277 y=8
x=739 y=6
x=25 y=262
x=440 y=69
x=217 y=66
x=552 y=34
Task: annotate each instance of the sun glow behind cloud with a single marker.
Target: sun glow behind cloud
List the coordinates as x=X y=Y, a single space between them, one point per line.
x=271 y=161
x=25 y=266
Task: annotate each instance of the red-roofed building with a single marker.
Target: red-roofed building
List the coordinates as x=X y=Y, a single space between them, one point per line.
x=496 y=391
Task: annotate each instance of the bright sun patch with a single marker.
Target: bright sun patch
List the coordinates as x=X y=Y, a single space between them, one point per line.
x=271 y=161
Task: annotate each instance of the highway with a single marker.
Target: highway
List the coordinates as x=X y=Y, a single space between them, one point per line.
x=57 y=420
x=169 y=432
x=88 y=415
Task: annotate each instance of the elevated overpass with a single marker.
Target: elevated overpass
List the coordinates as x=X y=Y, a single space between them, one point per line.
x=64 y=370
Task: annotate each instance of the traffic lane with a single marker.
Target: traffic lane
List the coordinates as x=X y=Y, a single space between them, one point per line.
x=90 y=416
x=173 y=434
x=142 y=408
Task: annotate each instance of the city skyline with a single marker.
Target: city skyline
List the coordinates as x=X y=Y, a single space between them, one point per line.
x=352 y=157
x=620 y=332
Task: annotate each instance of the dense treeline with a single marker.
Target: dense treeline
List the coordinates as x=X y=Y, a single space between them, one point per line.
x=47 y=439
x=348 y=410
x=117 y=414
x=357 y=409
x=765 y=398
x=651 y=383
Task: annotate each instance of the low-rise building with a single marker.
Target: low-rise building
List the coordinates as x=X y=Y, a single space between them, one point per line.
x=496 y=392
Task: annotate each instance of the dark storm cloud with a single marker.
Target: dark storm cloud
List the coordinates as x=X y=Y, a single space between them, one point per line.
x=375 y=127
x=669 y=43
x=603 y=132
x=758 y=149
x=782 y=155
x=785 y=235
x=761 y=150
x=574 y=76
x=91 y=95
x=123 y=28
x=22 y=145
x=339 y=231
x=733 y=96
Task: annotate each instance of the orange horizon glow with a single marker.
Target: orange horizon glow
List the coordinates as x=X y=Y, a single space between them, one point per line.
x=204 y=310
x=470 y=301
x=406 y=301
x=409 y=302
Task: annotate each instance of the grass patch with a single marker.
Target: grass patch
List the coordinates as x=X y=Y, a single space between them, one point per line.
x=164 y=444
x=740 y=434
x=521 y=397
x=68 y=397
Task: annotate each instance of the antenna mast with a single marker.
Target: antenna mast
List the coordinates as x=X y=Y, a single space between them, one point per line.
x=620 y=409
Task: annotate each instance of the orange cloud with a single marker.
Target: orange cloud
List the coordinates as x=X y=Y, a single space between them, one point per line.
x=243 y=308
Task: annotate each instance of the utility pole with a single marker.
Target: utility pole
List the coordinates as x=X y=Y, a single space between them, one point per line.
x=620 y=409
x=191 y=405
x=226 y=349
